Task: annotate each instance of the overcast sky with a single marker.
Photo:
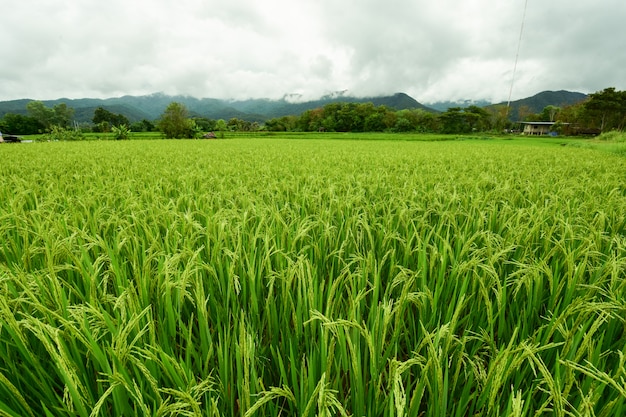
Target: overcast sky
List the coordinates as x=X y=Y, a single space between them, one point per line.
x=433 y=50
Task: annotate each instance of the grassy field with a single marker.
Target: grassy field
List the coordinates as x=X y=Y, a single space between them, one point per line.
x=285 y=276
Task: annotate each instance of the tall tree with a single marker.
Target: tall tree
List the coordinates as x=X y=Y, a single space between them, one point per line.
x=477 y=118
x=607 y=108
x=453 y=121
x=105 y=119
x=549 y=113
x=60 y=115
x=101 y=115
x=499 y=117
x=41 y=113
x=175 y=122
x=63 y=115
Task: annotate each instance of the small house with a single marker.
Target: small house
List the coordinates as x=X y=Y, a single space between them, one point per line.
x=540 y=128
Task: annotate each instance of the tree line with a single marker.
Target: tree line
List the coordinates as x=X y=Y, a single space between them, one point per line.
x=602 y=111
x=365 y=117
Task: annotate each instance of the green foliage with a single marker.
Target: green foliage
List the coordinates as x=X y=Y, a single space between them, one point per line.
x=613 y=136
x=221 y=127
x=337 y=117
x=19 y=124
x=470 y=119
x=607 y=109
x=175 y=123
x=365 y=117
x=59 y=115
x=44 y=115
x=550 y=113
x=204 y=124
x=58 y=133
x=239 y=125
x=307 y=277
x=106 y=120
x=143 y=126
x=402 y=125
x=282 y=124
x=121 y=132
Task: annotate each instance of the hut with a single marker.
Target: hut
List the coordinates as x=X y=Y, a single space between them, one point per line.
x=541 y=128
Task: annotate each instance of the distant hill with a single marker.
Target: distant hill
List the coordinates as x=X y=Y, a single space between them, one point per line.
x=538 y=102
x=151 y=107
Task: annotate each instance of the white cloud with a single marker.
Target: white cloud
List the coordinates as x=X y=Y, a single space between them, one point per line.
x=240 y=48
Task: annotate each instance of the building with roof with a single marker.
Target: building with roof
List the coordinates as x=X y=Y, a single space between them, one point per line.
x=541 y=128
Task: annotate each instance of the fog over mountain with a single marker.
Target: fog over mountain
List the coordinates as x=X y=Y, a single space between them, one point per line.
x=150 y=107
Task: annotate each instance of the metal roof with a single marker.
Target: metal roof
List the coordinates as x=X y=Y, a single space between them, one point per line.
x=541 y=123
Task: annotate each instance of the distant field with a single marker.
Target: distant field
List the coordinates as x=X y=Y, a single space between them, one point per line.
x=296 y=275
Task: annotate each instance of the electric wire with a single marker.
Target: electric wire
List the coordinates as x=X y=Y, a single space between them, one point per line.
x=519 y=44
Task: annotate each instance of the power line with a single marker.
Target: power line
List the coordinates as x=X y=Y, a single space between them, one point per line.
x=519 y=44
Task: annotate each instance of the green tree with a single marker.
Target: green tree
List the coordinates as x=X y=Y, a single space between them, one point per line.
x=20 y=124
x=220 y=126
x=574 y=114
x=607 y=109
x=470 y=119
x=477 y=119
x=239 y=125
x=453 y=121
x=101 y=115
x=59 y=115
x=426 y=121
x=374 y=122
x=143 y=126
x=403 y=125
x=420 y=120
x=105 y=119
x=40 y=112
x=498 y=117
x=550 y=113
x=282 y=124
x=525 y=113
x=175 y=123
x=63 y=115
x=205 y=124
x=311 y=120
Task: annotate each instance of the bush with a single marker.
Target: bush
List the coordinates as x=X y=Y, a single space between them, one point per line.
x=58 y=133
x=613 y=136
x=121 y=132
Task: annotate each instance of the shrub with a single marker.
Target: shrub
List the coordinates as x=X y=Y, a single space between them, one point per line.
x=58 y=133
x=120 y=133
x=613 y=136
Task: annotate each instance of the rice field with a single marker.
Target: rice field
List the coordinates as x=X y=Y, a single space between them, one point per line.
x=309 y=277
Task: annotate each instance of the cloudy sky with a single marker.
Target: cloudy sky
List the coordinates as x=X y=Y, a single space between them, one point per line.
x=433 y=50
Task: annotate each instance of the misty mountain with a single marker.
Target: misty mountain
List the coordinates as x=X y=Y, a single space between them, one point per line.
x=445 y=105
x=151 y=107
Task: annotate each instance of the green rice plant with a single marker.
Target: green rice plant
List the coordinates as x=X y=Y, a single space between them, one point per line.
x=302 y=276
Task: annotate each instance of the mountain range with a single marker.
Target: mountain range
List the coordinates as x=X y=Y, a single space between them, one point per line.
x=151 y=107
